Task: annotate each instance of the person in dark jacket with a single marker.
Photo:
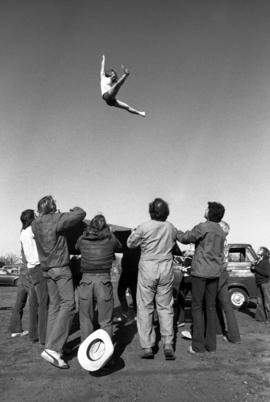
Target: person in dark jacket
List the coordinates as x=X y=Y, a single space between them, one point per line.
x=208 y=238
x=129 y=275
x=50 y=234
x=97 y=246
x=261 y=270
x=184 y=289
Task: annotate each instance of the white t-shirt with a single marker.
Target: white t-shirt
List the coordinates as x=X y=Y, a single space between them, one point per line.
x=29 y=247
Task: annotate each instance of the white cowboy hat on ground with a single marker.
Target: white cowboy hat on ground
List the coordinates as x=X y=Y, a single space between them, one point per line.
x=95 y=351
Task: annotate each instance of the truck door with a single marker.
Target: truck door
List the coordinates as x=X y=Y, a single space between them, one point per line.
x=239 y=263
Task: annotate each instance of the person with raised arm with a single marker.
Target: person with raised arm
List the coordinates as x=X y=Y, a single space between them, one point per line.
x=49 y=230
x=156 y=239
x=206 y=267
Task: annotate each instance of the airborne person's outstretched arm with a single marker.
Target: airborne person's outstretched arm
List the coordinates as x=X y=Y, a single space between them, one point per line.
x=102 y=70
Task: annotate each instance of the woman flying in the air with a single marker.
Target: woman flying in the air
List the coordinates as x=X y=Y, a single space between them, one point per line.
x=110 y=85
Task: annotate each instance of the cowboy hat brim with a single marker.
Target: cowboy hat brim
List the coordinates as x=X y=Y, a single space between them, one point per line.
x=95 y=351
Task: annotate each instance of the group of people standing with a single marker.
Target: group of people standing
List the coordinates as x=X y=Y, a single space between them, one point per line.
x=46 y=255
x=46 y=258
x=156 y=239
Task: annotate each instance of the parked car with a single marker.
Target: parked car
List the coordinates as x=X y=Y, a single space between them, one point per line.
x=9 y=275
x=242 y=285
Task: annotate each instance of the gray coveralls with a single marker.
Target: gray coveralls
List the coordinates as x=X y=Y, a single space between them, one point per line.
x=155 y=279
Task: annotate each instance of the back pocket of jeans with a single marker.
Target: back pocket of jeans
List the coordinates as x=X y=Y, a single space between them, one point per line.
x=107 y=290
x=84 y=289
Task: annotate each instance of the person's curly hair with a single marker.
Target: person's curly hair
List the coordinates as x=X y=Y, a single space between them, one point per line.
x=98 y=228
x=216 y=211
x=159 y=210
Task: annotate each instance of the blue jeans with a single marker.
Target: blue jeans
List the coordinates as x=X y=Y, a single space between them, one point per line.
x=95 y=289
x=224 y=306
x=40 y=292
x=204 y=293
x=61 y=307
x=24 y=291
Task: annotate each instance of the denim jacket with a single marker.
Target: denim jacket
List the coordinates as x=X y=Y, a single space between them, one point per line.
x=209 y=239
x=49 y=232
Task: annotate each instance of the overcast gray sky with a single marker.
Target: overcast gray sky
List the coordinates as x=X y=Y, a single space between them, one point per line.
x=200 y=70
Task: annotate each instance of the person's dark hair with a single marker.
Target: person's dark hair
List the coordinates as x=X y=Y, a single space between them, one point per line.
x=264 y=252
x=46 y=205
x=27 y=217
x=98 y=228
x=159 y=210
x=108 y=73
x=216 y=211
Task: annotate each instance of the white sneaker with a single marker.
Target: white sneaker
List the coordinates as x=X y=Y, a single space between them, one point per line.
x=186 y=335
x=15 y=334
x=54 y=358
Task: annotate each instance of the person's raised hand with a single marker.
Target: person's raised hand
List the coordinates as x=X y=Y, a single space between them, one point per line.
x=126 y=71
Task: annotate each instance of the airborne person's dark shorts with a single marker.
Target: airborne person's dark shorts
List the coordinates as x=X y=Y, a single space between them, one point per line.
x=110 y=100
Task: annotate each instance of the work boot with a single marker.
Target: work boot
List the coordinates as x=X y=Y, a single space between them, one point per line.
x=147 y=353
x=169 y=352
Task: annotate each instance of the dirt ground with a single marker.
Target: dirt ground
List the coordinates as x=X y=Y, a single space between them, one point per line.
x=233 y=373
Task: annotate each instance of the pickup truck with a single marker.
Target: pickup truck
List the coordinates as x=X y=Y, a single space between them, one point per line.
x=242 y=285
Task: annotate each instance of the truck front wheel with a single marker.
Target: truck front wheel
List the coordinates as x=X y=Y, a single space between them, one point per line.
x=238 y=297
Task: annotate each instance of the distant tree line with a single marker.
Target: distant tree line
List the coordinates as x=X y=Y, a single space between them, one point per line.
x=9 y=259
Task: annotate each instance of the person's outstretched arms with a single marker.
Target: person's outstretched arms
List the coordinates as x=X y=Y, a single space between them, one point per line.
x=190 y=236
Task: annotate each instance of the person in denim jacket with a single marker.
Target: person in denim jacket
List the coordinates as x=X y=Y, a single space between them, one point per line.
x=206 y=266
x=49 y=229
